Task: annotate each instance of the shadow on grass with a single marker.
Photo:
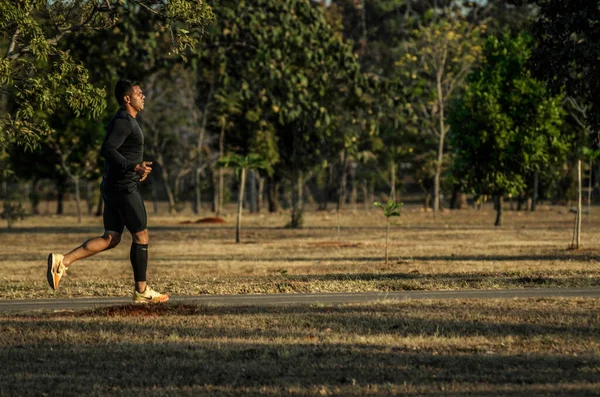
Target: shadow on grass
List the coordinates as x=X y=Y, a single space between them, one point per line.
x=176 y=349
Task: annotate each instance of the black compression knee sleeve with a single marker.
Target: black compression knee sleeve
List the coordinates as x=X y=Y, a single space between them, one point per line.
x=139 y=260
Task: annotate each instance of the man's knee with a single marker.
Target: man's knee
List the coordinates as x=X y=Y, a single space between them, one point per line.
x=141 y=237
x=112 y=239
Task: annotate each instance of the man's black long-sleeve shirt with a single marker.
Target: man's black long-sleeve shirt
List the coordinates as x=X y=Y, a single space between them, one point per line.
x=123 y=149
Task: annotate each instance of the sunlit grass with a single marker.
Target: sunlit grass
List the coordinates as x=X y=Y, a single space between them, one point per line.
x=455 y=250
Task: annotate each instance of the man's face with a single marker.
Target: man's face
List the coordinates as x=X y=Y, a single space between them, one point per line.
x=136 y=99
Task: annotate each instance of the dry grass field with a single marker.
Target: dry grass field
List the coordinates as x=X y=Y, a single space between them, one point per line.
x=521 y=347
x=516 y=347
x=457 y=249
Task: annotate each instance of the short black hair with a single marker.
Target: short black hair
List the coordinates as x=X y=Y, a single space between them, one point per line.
x=124 y=87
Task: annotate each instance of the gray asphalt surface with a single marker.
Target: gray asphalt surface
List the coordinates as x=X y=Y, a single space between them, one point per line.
x=30 y=305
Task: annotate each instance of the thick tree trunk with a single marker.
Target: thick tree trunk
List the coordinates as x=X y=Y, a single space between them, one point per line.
x=499 y=210
x=238 y=225
x=342 y=183
x=297 y=202
x=536 y=183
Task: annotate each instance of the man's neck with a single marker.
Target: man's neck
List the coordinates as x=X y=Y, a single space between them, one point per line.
x=130 y=110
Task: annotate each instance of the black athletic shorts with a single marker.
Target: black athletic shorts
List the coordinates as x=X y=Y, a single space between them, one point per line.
x=124 y=209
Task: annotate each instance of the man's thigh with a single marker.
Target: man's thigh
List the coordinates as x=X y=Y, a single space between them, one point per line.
x=133 y=212
x=111 y=216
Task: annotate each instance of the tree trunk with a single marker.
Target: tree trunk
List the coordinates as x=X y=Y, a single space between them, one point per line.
x=342 y=183
x=238 y=225
x=499 y=212
x=576 y=241
x=393 y=180
x=325 y=190
x=387 y=236
x=165 y=183
x=273 y=194
x=34 y=197
x=427 y=202
x=77 y=198
x=297 y=202
x=354 y=190
x=154 y=186
x=202 y=132
x=252 y=191
x=261 y=191
x=197 y=191
x=89 y=197
x=589 y=197
x=440 y=154
x=215 y=181
x=536 y=183
x=365 y=192
x=221 y=170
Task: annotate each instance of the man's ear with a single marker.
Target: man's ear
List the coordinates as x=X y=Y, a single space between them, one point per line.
x=127 y=99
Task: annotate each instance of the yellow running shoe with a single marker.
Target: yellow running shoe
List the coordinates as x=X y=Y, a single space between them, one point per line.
x=149 y=296
x=56 y=269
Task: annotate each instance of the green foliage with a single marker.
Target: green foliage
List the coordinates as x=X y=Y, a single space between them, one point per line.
x=252 y=161
x=291 y=73
x=505 y=126
x=37 y=77
x=13 y=211
x=390 y=209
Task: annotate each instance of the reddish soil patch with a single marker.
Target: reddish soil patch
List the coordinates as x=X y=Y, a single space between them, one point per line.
x=211 y=220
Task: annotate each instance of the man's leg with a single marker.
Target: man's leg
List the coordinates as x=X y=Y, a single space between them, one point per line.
x=139 y=258
x=93 y=246
x=133 y=213
x=58 y=264
x=113 y=228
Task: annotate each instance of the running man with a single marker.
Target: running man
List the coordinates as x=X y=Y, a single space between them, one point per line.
x=123 y=150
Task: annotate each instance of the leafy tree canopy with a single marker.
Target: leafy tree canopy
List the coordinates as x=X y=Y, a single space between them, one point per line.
x=505 y=126
x=37 y=76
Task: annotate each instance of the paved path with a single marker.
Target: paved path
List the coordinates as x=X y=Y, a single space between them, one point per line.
x=296 y=299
